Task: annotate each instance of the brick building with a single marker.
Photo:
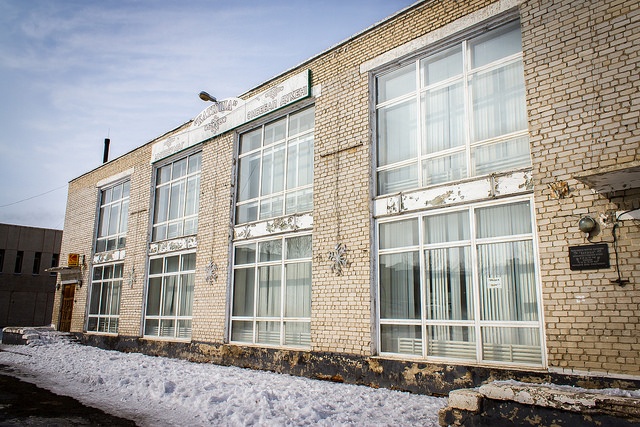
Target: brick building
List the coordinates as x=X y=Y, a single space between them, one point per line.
x=400 y=210
x=26 y=289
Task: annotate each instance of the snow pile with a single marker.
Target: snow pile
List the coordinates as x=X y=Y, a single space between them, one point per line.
x=156 y=391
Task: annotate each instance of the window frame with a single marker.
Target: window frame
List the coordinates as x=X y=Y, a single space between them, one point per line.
x=423 y=322
x=259 y=153
x=281 y=319
x=182 y=218
x=418 y=178
x=112 y=320
x=37 y=261
x=177 y=295
x=102 y=242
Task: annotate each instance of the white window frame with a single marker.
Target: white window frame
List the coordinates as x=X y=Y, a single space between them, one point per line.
x=176 y=332
x=183 y=218
x=281 y=319
x=110 y=319
x=416 y=95
x=260 y=151
x=119 y=237
x=477 y=323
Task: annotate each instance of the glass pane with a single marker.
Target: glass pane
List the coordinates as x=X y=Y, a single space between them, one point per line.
x=297 y=333
x=270 y=250
x=105 y=299
x=101 y=246
x=298 y=290
x=159 y=232
x=242 y=331
x=174 y=229
x=153 y=296
x=184 y=329
x=186 y=294
x=117 y=271
x=500 y=156
x=246 y=212
x=398 y=179
x=163 y=175
x=396 y=83
x=167 y=328
x=245 y=254
x=243 y=291
x=176 y=205
x=268 y=333
x=399 y=234
x=300 y=162
x=299 y=201
x=442 y=66
x=270 y=279
x=250 y=141
x=274 y=132
x=443 y=119
x=397 y=133
x=155 y=265
x=172 y=264
x=179 y=169
x=162 y=204
x=117 y=192
x=499 y=106
x=104 y=221
x=400 y=286
x=444 y=169
x=97 y=273
x=114 y=216
x=403 y=339
x=124 y=216
x=249 y=177
x=449 y=227
x=507 y=282
x=92 y=324
x=151 y=327
x=193 y=186
x=126 y=187
x=115 y=298
x=519 y=345
x=271 y=207
x=190 y=226
x=449 y=285
x=188 y=262
x=504 y=220
x=299 y=247
x=454 y=342
x=194 y=163
x=301 y=121
x=170 y=296
x=106 y=196
x=496 y=44
x=272 y=170
x=94 y=305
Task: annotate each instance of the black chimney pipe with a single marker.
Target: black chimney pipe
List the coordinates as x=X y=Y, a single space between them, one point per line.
x=105 y=156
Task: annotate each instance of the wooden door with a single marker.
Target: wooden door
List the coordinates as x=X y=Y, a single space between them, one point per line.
x=66 y=310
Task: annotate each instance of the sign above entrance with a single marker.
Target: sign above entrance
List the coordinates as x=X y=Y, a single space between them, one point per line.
x=230 y=113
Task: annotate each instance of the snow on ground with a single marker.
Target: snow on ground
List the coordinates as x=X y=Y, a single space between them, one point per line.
x=157 y=391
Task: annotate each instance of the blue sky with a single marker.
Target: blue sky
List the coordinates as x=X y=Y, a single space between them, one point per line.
x=73 y=72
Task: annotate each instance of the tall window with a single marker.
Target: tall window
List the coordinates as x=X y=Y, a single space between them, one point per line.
x=453 y=114
x=104 y=305
x=112 y=225
x=461 y=285
x=17 y=268
x=170 y=296
x=275 y=173
x=177 y=198
x=37 y=259
x=272 y=292
x=1 y=260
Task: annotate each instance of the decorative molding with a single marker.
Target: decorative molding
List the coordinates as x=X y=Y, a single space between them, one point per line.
x=103 y=257
x=211 y=272
x=173 y=245
x=338 y=258
x=284 y=224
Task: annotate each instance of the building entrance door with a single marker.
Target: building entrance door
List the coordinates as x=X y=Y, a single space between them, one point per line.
x=68 y=292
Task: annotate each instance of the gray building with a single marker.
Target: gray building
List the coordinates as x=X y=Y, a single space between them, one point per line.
x=26 y=289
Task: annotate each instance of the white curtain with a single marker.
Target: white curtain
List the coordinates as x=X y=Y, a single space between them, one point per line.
x=400 y=286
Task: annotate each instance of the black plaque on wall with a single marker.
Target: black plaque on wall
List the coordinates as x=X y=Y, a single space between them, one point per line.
x=589 y=257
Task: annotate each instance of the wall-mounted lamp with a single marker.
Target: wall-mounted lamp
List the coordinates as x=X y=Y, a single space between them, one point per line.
x=206 y=97
x=586 y=225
